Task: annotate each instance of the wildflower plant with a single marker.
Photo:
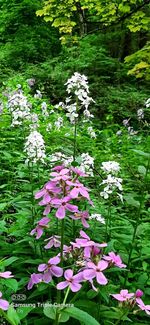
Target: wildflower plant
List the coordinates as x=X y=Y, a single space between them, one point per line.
x=78 y=229
x=62 y=195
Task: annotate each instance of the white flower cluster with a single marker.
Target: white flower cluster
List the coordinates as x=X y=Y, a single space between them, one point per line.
x=34 y=121
x=97 y=217
x=130 y=129
x=112 y=183
x=87 y=164
x=18 y=107
x=86 y=161
x=35 y=148
x=110 y=167
x=44 y=110
x=58 y=156
x=78 y=89
x=147 y=103
x=72 y=112
x=59 y=123
x=140 y=114
x=91 y=132
x=38 y=94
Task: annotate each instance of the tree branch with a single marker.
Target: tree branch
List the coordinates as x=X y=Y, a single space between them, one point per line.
x=118 y=21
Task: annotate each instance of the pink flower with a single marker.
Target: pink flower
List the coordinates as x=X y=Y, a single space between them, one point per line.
x=139 y=293
x=48 y=207
x=4 y=304
x=35 y=278
x=142 y=306
x=6 y=275
x=87 y=244
x=63 y=205
x=39 y=229
x=58 y=168
x=115 y=259
x=78 y=188
x=62 y=175
x=78 y=172
x=83 y=216
x=123 y=295
x=50 y=269
x=47 y=192
x=53 y=241
x=72 y=281
x=95 y=271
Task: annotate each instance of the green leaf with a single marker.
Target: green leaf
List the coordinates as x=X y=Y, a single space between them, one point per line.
x=81 y=315
x=131 y=201
x=2 y=206
x=50 y=312
x=22 y=312
x=142 y=170
x=10 y=260
x=12 y=316
x=141 y=153
x=91 y=294
x=2 y=226
x=11 y=283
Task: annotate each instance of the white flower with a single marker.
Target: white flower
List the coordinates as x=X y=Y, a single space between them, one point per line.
x=119 y=132
x=44 y=109
x=60 y=104
x=140 y=114
x=65 y=160
x=35 y=147
x=131 y=131
x=33 y=117
x=49 y=127
x=126 y=122
x=38 y=94
x=72 y=112
x=19 y=107
x=97 y=217
x=110 y=167
x=76 y=82
x=59 y=123
x=147 y=103
x=87 y=164
x=91 y=132
x=78 y=85
x=112 y=184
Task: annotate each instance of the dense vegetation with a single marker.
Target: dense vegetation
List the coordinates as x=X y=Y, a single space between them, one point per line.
x=75 y=162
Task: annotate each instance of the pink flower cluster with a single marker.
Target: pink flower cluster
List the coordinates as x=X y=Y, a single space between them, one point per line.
x=58 y=193
x=92 y=263
x=132 y=299
x=4 y=304
x=85 y=254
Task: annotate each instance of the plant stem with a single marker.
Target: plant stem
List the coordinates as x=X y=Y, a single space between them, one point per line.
x=62 y=241
x=118 y=321
x=137 y=223
x=5 y=316
x=108 y=221
x=66 y=296
x=75 y=141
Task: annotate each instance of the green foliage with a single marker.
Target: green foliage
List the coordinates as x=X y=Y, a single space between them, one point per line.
x=141 y=62
x=24 y=38
x=72 y=15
